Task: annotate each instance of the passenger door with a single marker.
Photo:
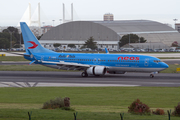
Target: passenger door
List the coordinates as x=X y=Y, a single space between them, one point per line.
x=146 y=62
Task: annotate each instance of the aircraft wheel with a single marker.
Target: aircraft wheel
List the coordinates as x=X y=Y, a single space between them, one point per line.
x=151 y=75
x=84 y=74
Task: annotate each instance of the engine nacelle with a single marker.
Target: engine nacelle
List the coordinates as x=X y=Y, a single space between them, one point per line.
x=116 y=72
x=96 y=70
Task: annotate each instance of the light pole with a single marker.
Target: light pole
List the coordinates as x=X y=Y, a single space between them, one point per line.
x=10 y=39
x=60 y=20
x=43 y=23
x=53 y=22
x=20 y=40
x=129 y=40
x=139 y=39
x=175 y=22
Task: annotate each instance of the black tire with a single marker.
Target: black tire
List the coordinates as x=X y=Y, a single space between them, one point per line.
x=151 y=75
x=84 y=74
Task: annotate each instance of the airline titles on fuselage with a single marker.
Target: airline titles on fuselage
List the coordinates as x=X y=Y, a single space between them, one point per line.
x=67 y=56
x=128 y=58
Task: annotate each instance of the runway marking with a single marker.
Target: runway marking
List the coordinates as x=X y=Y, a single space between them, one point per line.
x=18 y=84
x=164 y=83
x=36 y=84
x=6 y=85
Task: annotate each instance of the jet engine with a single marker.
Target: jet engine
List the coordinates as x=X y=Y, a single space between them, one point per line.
x=96 y=70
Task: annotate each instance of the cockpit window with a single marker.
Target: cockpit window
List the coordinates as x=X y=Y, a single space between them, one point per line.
x=157 y=61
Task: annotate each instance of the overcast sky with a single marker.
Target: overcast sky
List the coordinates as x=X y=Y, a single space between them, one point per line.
x=164 y=11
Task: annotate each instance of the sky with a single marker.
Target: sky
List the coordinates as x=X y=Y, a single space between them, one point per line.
x=164 y=11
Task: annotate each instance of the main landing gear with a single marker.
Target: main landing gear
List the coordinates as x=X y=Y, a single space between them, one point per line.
x=152 y=74
x=84 y=74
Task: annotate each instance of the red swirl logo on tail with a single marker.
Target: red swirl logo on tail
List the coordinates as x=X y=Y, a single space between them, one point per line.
x=34 y=45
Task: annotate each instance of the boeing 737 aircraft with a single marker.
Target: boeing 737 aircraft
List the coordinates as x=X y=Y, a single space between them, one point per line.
x=89 y=63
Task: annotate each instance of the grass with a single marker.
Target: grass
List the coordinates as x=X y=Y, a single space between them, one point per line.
x=91 y=103
x=12 y=58
x=171 y=69
x=65 y=115
x=26 y=68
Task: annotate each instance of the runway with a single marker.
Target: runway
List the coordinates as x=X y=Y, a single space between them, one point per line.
x=73 y=79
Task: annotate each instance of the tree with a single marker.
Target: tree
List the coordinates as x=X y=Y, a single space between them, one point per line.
x=4 y=40
x=4 y=43
x=90 y=43
x=15 y=35
x=133 y=39
x=175 y=44
x=72 y=45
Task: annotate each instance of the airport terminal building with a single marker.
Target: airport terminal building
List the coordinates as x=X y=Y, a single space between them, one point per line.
x=108 y=33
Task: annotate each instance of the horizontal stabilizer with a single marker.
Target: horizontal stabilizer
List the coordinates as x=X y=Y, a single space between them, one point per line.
x=32 y=62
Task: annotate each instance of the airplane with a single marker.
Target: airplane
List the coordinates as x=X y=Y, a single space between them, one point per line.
x=90 y=63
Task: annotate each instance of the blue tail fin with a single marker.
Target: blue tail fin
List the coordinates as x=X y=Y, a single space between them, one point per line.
x=30 y=41
x=107 y=52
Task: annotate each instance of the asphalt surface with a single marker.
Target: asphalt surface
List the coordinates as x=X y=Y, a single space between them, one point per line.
x=33 y=79
x=171 y=61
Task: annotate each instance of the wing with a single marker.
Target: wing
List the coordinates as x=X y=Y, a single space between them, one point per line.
x=21 y=54
x=68 y=65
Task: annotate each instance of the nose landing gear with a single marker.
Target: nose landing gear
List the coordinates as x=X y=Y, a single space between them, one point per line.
x=152 y=74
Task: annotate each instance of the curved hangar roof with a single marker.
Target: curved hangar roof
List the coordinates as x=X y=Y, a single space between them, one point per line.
x=112 y=31
x=81 y=31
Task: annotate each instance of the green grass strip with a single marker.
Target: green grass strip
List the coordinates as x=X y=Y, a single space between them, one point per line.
x=26 y=68
x=91 y=103
x=156 y=97
x=12 y=58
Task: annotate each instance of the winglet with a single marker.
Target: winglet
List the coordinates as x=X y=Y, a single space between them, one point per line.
x=107 y=52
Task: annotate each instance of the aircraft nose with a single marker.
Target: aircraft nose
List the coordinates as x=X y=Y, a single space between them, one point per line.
x=164 y=65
